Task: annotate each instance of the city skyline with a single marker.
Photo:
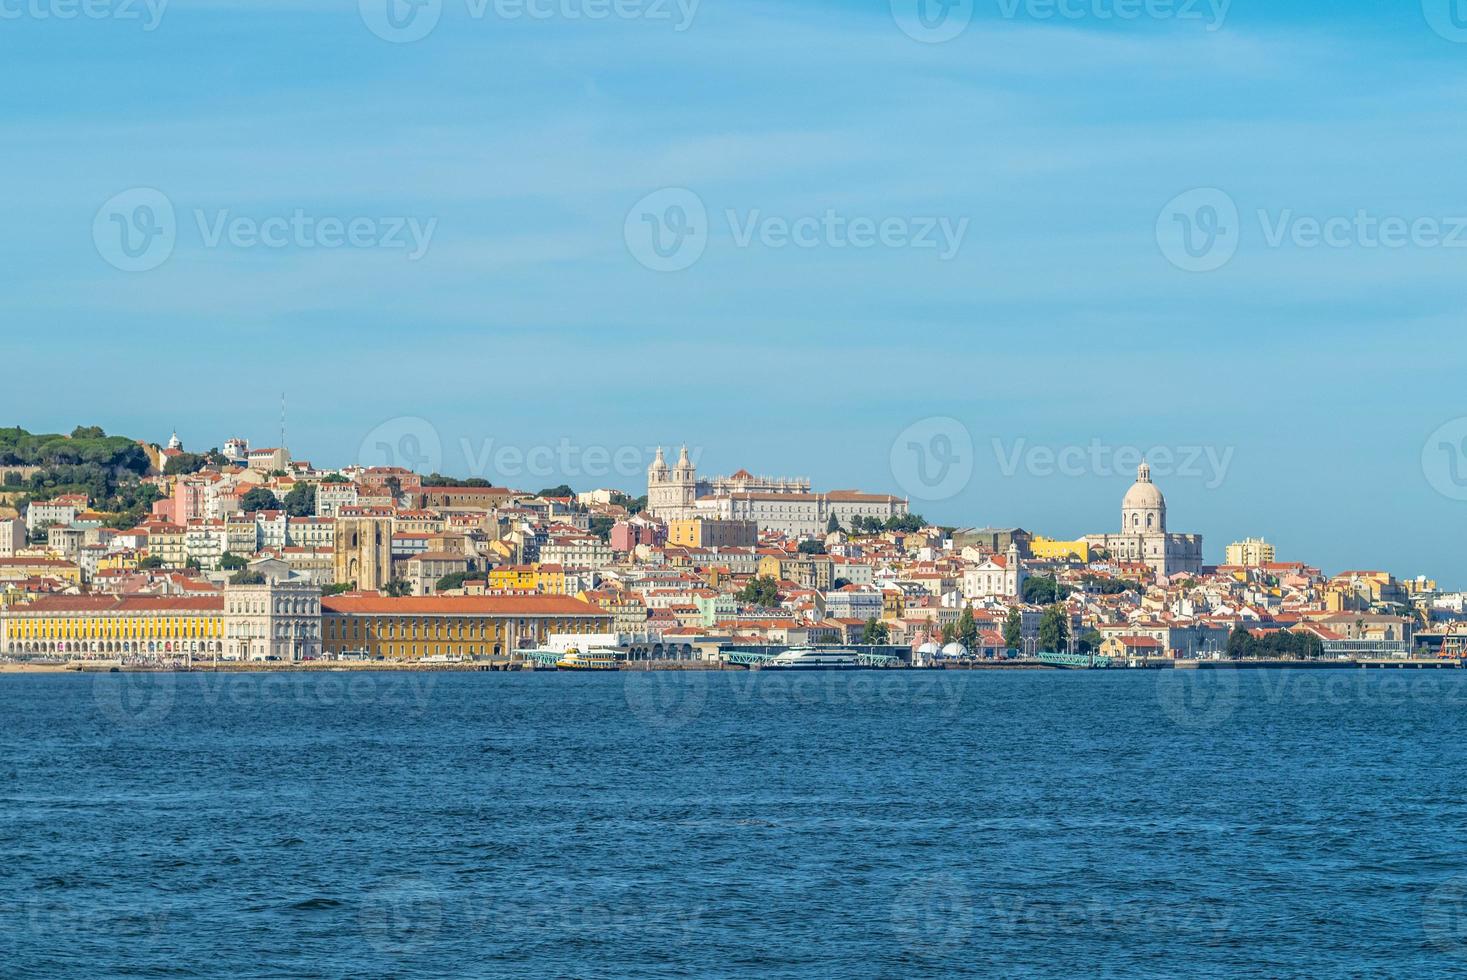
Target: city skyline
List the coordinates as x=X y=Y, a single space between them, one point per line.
x=1077 y=484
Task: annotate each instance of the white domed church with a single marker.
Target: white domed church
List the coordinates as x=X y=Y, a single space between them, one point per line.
x=1144 y=536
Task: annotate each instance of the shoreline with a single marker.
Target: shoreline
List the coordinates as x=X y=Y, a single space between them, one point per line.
x=388 y=666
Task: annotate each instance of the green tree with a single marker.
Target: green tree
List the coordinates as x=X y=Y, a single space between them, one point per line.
x=231 y=562
x=301 y=501
x=397 y=588
x=812 y=547
x=1054 y=628
x=183 y=463
x=1240 y=643
x=337 y=588
x=967 y=630
x=454 y=580
x=906 y=522
x=258 y=498
x=152 y=561
x=832 y=525
x=1013 y=630
x=1044 y=591
x=949 y=633
x=1089 y=641
x=560 y=491
x=601 y=527
x=762 y=591
x=876 y=632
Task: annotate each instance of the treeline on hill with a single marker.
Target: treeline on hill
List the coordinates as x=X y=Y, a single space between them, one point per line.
x=106 y=468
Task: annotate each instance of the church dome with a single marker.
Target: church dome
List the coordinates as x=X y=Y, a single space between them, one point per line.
x=1143 y=495
x=1144 y=508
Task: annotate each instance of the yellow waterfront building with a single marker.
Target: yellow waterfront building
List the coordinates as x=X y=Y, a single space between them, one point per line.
x=414 y=627
x=113 y=626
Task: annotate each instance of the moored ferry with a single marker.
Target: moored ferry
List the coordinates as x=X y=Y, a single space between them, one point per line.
x=590 y=660
x=811 y=658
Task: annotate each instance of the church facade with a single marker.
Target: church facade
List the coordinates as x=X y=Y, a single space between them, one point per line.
x=674 y=493
x=1144 y=537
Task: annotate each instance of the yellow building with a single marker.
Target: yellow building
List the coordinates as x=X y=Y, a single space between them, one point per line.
x=542 y=579
x=16 y=569
x=1250 y=551
x=413 y=627
x=700 y=532
x=113 y=626
x=1042 y=547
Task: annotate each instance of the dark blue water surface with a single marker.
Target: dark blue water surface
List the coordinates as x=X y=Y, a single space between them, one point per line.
x=874 y=824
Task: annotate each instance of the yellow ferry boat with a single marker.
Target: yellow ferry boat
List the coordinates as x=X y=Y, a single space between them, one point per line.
x=590 y=660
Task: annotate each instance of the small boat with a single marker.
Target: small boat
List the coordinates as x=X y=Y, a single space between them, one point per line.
x=590 y=660
x=810 y=658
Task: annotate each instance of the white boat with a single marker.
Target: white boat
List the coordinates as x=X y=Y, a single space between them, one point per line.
x=812 y=658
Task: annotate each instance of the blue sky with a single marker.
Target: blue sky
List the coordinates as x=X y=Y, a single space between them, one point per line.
x=1321 y=373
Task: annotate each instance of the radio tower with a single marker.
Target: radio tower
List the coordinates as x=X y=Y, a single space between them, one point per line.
x=282 y=421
